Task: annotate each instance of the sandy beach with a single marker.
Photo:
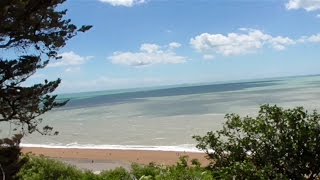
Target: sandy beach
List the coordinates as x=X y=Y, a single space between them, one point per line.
x=104 y=159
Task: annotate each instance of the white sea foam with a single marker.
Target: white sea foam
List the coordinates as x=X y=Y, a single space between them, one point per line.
x=181 y=148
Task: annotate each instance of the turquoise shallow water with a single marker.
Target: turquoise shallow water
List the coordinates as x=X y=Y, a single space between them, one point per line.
x=166 y=118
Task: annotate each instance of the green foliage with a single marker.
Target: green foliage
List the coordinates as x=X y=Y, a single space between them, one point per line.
x=277 y=144
x=39 y=168
x=180 y=171
x=118 y=173
x=42 y=168
x=145 y=171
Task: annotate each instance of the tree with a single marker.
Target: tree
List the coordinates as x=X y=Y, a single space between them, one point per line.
x=277 y=144
x=31 y=33
x=36 y=30
x=10 y=160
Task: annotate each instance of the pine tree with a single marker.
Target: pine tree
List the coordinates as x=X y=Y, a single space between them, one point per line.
x=31 y=33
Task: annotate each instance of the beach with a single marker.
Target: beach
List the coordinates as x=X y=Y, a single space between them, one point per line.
x=106 y=159
x=104 y=130
x=164 y=119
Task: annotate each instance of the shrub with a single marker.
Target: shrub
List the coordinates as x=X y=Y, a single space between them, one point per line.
x=42 y=168
x=39 y=168
x=116 y=174
x=277 y=144
x=151 y=170
x=180 y=171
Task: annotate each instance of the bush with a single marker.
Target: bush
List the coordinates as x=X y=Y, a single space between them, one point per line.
x=180 y=171
x=116 y=174
x=150 y=170
x=39 y=168
x=277 y=144
x=42 y=168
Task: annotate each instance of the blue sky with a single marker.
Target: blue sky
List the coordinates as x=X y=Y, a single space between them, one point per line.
x=139 y=43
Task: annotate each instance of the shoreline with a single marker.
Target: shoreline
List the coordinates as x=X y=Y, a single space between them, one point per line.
x=106 y=159
x=182 y=148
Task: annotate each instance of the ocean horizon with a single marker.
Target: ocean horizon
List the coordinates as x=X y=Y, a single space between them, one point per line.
x=165 y=118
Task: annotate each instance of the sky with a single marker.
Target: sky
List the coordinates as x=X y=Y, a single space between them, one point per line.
x=142 y=43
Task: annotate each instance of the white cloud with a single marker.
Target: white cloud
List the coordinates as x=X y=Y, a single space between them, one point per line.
x=126 y=3
x=150 y=48
x=72 y=69
x=308 y=5
x=232 y=44
x=310 y=39
x=149 y=54
x=280 y=43
x=70 y=59
x=314 y=38
x=174 y=45
x=208 y=56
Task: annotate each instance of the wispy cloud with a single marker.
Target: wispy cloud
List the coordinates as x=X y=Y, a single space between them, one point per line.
x=310 y=39
x=308 y=5
x=149 y=54
x=208 y=56
x=72 y=69
x=126 y=3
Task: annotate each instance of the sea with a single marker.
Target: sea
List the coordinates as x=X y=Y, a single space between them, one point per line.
x=165 y=118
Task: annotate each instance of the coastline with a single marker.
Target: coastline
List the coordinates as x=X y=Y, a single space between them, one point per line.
x=106 y=159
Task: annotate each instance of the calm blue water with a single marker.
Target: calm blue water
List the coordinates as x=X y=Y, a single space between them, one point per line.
x=113 y=97
x=166 y=118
